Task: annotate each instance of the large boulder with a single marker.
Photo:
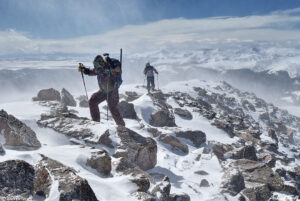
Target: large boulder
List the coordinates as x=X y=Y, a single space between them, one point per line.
x=70 y=185
x=127 y=110
x=100 y=161
x=254 y=172
x=16 y=180
x=136 y=148
x=16 y=133
x=197 y=137
x=48 y=95
x=174 y=143
x=162 y=118
x=67 y=98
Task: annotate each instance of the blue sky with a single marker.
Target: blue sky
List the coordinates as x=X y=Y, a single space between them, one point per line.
x=82 y=27
x=62 y=19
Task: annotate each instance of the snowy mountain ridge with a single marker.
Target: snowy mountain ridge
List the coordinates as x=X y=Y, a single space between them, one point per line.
x=213 y=134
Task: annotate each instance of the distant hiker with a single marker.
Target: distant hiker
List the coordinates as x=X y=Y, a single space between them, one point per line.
x=108 y=73
x=149 y=73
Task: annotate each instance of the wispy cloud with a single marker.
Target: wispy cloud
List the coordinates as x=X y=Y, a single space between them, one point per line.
x=277 y=26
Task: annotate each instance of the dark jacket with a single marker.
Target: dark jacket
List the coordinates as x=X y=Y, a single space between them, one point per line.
x=109 y=76
x=149 y=71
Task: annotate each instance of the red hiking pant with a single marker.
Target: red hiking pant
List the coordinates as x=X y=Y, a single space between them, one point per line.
x=113 y=100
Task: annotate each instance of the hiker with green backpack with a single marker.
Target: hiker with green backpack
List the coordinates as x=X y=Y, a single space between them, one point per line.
x=108 y=72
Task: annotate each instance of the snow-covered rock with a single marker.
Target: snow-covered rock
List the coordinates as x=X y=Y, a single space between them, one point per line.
x=70 y=185
x=136 y=148
x=16 y=133
x=101 y=161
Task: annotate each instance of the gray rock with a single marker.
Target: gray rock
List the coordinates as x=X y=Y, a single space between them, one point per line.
x=47 y=95
x=68 y=124
x=67 y=98
x=127 y=110
x=197 y=137
x=255 y=172
x=142 y=182
x=83 y=101
x=162 y=190
x=179 y=197
x=258 y=192
x=136 y=148
x=162 y=118
x=2 y=151
x=70 y=185
x=16 y=180
x=248 y=152
x=16 y=133
x=233 y=181
x=201 y=172
x=42 y=182
x=174 y=143
x=204 y=183
x=105 y=139
x=183 y=113
x=131 y=96
x=143 y=196
x=100 y=161
x=220 y=149
x=155 y=132
x=224 y=125
x=268 y=159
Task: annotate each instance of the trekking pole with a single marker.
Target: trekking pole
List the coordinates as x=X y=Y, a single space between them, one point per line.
x=144 y=81
x=81 y=65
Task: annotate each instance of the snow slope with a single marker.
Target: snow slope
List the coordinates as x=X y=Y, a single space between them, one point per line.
x=178 y=167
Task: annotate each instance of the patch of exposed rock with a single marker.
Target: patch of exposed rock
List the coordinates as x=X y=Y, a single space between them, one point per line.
x=16 y=133
x=131 y=96
x=67 y=98
x=127 y=110
x=174 y=143
x=16 y=180
x=136 y=148
x=162 y=118
x=70 y=185
x=233 y=181
x=83 y=101
x=254 y=172
x=161 y=191
x=47 y=95
x=196 y=137
x=100 y=161
x=2 y=151
x=183 y=113
x=105 y=139
x=42 y=182
x=68 y=123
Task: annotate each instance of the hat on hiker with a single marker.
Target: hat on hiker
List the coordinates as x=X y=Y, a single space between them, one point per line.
x=98 y=61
